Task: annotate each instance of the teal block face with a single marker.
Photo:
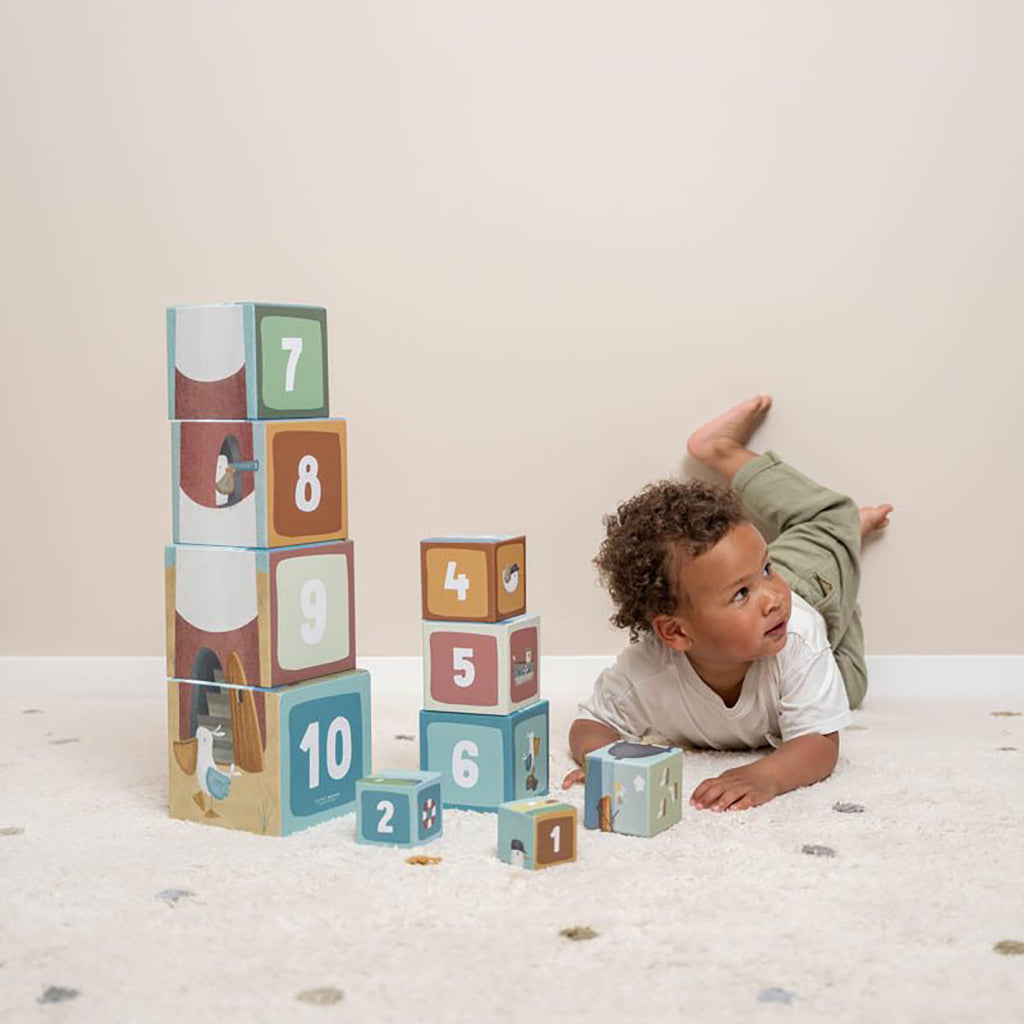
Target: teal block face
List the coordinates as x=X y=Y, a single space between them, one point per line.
x=633 y=788
x=291 y=347
x=486 y=760
x=399 y=808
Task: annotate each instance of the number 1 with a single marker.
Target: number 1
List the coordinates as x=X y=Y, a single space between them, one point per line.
x=293 y=346
x=556 y=838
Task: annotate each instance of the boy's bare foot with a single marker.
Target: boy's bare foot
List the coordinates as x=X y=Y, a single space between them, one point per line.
x=873 y=517
x=721 y=443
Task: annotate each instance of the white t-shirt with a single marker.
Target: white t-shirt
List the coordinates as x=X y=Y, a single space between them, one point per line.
x=652 y=690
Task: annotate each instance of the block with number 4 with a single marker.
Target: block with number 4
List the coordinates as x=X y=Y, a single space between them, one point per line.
x=475 y=579
x=259 y=618
x=246 y=360
x=633 y=788
x=486 y=760
x=259 y=485
x=537 y=833
x=267 y=761
x=399 y=808
x=481 y=668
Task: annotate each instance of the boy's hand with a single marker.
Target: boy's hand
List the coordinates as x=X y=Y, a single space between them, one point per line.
x=576 y=775
x=736 y=790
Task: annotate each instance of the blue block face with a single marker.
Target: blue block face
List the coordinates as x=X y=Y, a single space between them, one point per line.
x=399 y=808
x=384 y=816
x=486 y=760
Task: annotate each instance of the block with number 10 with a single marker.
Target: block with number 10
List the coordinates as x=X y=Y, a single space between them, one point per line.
x=473 y=579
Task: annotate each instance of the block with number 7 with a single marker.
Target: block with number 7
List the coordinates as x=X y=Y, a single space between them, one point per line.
x=481 y=667
x=259 y=485
x=399 y=808
x=473 y=579
x=487 y=760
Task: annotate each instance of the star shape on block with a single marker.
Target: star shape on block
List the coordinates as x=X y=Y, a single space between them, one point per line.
x=638 y=783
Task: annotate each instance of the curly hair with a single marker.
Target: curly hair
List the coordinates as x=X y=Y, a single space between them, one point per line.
x=638 y=558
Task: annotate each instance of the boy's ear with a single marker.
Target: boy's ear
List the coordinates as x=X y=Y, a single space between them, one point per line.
x=670 y=631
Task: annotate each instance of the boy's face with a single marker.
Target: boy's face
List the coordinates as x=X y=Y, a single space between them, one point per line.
x=733 y=606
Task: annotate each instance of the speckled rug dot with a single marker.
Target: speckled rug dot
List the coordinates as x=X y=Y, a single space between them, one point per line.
x=891 y=891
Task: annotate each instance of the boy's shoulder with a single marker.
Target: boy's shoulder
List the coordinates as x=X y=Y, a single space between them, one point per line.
x=806 y=632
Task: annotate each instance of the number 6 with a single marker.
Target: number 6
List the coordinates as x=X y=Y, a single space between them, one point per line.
x=465 y=771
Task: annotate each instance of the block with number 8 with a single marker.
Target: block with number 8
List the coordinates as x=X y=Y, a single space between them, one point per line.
x=246 y=360
x=473 y=579
x=268 y=761
x=486 y=760
x=399 y=808
x=259 y=485
x=537 y=834
x=481 y=668
x=259 y=617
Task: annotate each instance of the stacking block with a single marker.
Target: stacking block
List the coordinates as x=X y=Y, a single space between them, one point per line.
x=259 y=485
x=267 y=761
x=633 y=788
x=259 y=618
x=483 y=668
x=486 y=760
x=475 y=579
x=537 y=833
x=399 y=808
x=246 y=360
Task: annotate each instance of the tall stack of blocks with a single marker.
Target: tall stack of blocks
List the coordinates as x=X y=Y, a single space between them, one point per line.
x=483 y=725
x=268 y=718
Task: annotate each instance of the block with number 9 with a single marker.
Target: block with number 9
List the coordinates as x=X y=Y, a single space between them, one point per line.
x=486 y=760
x=259 y=485
x=481 y=668
x=474 y=579
x=246 y=360
x=537 y=834
x=399 y=808
x=267 y=761
x=259 y=617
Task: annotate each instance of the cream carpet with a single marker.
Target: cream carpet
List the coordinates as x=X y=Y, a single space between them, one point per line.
x=904 y=911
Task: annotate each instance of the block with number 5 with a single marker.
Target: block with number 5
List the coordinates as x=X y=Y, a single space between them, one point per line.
x=246 y=360
x=486 y=760
x=481 y=668
x=267 y=761
x=399 y=808
x=537 y=834
x=259 y=617
x=475 y=579
x=259 y=485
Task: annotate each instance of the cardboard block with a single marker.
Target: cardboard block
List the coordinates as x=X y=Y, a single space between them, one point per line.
x=259 y=485
x=537 y=833
x=481 y=668
x=399 y=808
x=259 y=617
x=633 y=788
x=473 y=579
x=246 y=360
x=486 y=760
x=267 y=761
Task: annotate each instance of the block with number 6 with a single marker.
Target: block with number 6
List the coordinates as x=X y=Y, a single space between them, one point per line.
x=259 y=618
x=399 y=808
x=537 y=833
x=246 y=360
x=486 y=760
x=481 y=668
x=259 y=485
x=267 y=761
x=475 y=579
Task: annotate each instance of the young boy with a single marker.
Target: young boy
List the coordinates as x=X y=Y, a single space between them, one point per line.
x=735 y=642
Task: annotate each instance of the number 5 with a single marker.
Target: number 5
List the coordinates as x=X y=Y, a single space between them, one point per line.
x=293 y=346
x=464 y=671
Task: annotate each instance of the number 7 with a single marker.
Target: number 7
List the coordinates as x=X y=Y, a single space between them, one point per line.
x=293 y=346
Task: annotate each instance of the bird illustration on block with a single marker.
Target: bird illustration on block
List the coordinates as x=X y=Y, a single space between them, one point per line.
x=195 y=757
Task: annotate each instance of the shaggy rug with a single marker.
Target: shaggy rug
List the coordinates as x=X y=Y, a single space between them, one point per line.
x=891 y=891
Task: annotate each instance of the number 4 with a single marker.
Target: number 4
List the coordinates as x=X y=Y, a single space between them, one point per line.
x=460 y=583
x=293 y=346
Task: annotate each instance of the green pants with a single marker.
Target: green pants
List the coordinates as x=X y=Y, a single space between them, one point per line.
x=813 y=537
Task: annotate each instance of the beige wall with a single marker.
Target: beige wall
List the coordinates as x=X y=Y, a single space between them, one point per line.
x=552 y=238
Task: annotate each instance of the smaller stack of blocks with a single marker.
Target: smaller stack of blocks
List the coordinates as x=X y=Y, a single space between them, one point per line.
x=269 y=719
x=483 y=725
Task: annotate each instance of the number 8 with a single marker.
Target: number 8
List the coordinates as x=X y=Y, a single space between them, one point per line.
x=307 y=487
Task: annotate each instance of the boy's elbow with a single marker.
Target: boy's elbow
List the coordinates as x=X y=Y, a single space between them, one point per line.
x=586 y=735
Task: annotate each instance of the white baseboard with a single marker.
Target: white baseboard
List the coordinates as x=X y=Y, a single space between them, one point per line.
x=924 y=676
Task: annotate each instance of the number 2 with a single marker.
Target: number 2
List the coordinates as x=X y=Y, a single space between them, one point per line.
x=293 y=346
x=384 y=826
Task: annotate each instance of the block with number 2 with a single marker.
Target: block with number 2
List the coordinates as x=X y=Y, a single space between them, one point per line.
x=399 y=808
x=259 y=485
x=474 y=579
